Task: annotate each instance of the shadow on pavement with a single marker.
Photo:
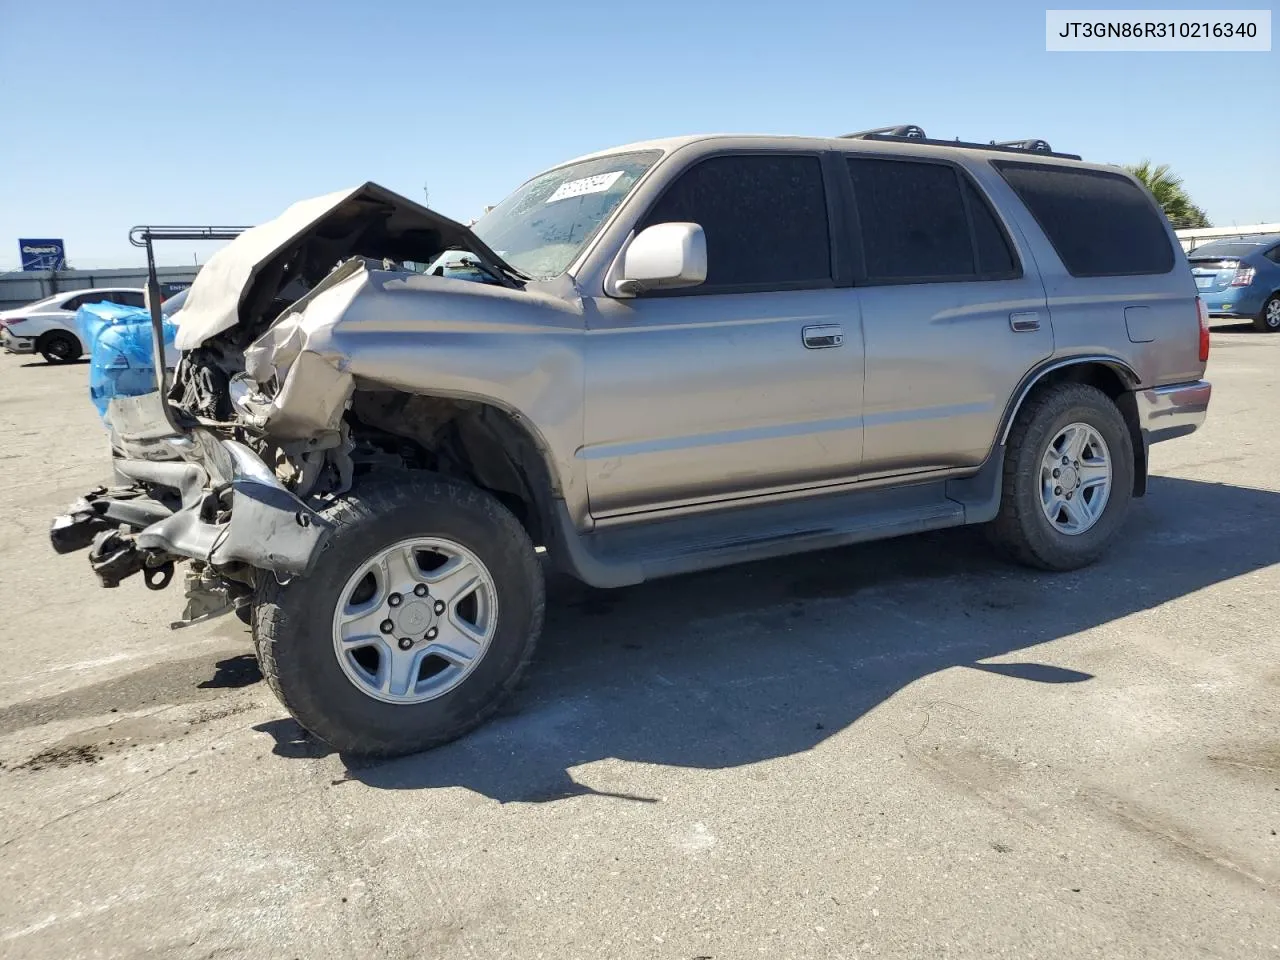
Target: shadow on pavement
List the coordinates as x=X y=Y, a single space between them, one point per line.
x=237 y=671
x=761 y=661
x=1245 y=326
x=1038 y=672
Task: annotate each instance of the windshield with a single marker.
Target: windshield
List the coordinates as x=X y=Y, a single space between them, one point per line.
x=1224 y=248
x=544 y=225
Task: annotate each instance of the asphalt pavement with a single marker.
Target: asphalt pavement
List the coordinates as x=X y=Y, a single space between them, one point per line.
x=905 y=749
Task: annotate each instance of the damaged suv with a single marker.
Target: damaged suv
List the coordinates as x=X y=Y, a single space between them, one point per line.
x=661 y=358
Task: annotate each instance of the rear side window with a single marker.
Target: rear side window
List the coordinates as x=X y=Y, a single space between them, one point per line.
x=92 y=296
x=1274 y=254
x=994 y=256
x=925 y=222
x=1101 y=224
x=128 y=298
x=764 y=216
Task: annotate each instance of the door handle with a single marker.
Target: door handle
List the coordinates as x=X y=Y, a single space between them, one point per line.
x=1024 y=322
x=823 y=335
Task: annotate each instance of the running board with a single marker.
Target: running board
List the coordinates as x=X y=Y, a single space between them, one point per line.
x=618 y=556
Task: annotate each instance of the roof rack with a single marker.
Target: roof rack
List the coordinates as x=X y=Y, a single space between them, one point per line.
x=1035 y=146
x=909 y=132
x=905 y=131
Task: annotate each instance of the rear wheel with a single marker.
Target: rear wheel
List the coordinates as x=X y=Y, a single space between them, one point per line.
x=1268 y=318
x=417 y=620
x=1068 y=479
x=59 y=347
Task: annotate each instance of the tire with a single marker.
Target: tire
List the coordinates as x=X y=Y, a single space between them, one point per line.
x=59 y=347
x=1022 y=528
x=1268 y=318
x=295 y=624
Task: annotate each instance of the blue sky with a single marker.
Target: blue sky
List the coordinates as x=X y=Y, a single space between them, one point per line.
x=251 y=106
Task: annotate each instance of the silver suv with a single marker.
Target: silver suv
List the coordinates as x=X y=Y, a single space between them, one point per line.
x=656 y=359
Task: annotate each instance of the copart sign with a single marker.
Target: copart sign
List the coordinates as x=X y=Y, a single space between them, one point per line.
x=43 y=254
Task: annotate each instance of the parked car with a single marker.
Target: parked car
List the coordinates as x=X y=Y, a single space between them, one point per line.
x=48 y=327
x=1240 y=279
x=460 y=265
x=695 y=352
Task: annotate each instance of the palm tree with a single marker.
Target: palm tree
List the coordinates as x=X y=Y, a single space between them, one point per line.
x=1170 y=194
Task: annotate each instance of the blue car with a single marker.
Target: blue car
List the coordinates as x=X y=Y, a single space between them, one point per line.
x=1240 y=279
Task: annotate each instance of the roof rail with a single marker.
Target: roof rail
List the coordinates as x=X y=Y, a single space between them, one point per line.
x=910 y=133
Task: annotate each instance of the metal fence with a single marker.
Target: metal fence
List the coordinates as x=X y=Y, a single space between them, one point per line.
x=23 y=286
x=1190 y=239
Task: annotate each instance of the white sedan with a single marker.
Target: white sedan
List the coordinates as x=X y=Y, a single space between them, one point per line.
x=48 y=327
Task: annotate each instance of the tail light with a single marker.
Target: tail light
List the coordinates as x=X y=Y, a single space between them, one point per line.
x=1204 y=330
x=1243 y=277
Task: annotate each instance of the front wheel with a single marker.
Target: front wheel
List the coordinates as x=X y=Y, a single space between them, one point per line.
x=417 y=620
x=1268 y=318
x=1068 y=479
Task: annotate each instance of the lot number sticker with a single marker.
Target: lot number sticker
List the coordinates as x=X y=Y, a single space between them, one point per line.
x=579 y=188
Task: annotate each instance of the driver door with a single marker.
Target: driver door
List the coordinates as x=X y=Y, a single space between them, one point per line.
x=748 y=384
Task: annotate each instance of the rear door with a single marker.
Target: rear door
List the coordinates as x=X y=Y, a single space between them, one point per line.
x=747 y=384
x=1116 y=280
x=953 y=314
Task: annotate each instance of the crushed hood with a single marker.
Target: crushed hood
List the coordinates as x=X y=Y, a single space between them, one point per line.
x=243 y=282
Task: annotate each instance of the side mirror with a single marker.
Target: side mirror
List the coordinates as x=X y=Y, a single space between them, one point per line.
x=663 y=257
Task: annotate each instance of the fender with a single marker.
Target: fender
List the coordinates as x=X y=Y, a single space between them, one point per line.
x=1036 y=374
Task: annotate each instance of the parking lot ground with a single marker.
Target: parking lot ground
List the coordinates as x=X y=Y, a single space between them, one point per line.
x=901 y=749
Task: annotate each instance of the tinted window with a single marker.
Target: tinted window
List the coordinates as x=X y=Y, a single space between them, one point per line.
x=130 y=298
x=912 y=220
x=1274 y=254
x=765 y=218
x=1101 y=224
x=75 y=303
x=995 y=258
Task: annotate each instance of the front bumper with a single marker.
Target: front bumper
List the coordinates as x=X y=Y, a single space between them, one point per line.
x=1173 y=410
x=12 y=343
x=221 y=505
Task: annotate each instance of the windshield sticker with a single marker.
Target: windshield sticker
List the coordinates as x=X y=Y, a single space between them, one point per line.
x=579 y=188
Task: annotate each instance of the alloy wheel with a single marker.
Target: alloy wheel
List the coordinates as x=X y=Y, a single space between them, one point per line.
x=414 y=620
x=1075 y=479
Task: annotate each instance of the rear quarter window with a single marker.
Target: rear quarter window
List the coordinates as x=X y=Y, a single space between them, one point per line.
x=1101 y=224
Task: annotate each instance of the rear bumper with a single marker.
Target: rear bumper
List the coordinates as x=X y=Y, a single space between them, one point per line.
x=1173 y=410
x=1233 y=302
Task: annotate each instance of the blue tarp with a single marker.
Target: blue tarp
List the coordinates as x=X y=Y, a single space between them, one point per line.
x=118 y=340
